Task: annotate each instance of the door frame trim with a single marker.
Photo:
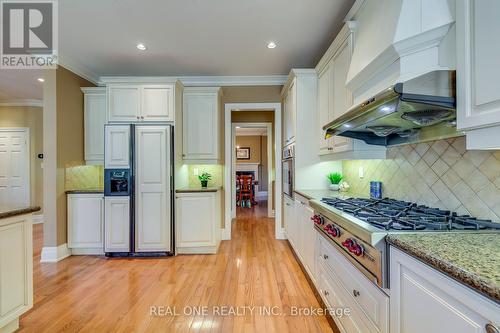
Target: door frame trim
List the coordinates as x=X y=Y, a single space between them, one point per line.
x=228 y=158
x=27 y=171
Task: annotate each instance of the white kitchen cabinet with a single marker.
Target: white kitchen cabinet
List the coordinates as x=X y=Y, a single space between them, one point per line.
x=16 y=270
x=157 y=103
x=306 y=236
x=124 y=103
x=290 y=113
x=478 y=88
x=86 y=223
x=152 y=189
x=95 y=117
x=117 y=147
x=334 y=99
x=425 y=300
x=290 y=222
x=201 y=120
x=198 y=222
x=140 y=102
x=117 y=226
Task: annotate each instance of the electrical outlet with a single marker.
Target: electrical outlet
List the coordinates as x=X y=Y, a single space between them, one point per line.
x=196 y=171
x=361 y=172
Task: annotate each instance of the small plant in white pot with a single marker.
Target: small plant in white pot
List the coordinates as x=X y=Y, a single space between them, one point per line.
x=335 y=178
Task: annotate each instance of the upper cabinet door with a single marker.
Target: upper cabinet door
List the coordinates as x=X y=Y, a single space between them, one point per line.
x=117 y=144
x=201 y=124
x=124 y=103
x=157 y=103
x=325 y=94
x=478 y=88
x=95 y=119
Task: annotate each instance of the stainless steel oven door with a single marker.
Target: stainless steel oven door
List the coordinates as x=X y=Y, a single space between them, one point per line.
x=288 y=177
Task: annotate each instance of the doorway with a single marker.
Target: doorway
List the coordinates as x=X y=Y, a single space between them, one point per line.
x=252 y=166
x=14 y=167
x=274 y=177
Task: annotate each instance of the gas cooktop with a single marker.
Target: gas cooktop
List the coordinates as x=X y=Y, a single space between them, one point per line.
x=391 y=214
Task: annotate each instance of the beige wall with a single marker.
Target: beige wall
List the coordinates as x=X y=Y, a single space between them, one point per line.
x=252 y=142
x=252 y=94
x=63 y=144
x=32 y=118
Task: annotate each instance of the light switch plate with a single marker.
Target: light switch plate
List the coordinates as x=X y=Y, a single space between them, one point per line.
x=196 y=171
x=361 y=172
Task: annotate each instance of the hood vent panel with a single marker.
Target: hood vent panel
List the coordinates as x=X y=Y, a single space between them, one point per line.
x=420 y=109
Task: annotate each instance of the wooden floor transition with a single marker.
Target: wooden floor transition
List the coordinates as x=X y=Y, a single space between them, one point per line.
x=95 y=294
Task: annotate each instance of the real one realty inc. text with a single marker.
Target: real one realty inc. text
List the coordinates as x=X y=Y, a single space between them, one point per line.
x=241 y=311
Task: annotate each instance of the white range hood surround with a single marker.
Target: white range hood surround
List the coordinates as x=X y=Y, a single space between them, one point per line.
x=397 y=40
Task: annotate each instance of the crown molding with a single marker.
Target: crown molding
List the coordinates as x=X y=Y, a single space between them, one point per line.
x=79 y=69
x=200 y=81
x=22 y=102
x=258 y=80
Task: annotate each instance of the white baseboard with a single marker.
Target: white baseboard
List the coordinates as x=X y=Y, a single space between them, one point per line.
x=281 y=234
x=37 y=218
x=87 y=251
x=55 y=254
x=225 y=234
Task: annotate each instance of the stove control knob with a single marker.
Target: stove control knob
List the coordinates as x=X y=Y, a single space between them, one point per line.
x=335 y=231
x=357 y=250
x=348 y=243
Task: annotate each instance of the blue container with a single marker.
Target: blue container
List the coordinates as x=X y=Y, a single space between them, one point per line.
x=376 y=190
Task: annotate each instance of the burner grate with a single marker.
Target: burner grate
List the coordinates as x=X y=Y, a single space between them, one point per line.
x=391 y=214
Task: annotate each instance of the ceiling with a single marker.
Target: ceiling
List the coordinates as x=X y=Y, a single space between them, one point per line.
x=187 y=38
x=20 y=85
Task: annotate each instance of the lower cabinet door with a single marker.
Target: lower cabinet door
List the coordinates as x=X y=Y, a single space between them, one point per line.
x=425 y=300
x=196 y=220
x=16 y=268
x=117 y=224
x=85 y=221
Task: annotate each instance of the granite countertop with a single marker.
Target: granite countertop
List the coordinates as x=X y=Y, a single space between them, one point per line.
x=198 y=189
x=468 y=257
x=85 y=191
x=6 y=211
x=320 y=194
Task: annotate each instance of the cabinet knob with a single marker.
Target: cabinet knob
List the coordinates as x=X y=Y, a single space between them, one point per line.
x=490 y=328
x=325 y=256
x=142 y=117
x=326 y=293
x=137 y=117
x=355 y=293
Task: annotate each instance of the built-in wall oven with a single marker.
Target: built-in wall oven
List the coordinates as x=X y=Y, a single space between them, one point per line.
x=288 y=171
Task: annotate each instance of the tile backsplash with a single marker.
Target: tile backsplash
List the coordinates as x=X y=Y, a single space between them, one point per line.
x=440 y=174
x=84 y=177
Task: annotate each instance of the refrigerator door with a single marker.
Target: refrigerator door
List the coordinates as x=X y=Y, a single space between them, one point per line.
x=117 y=147
x=153 y=201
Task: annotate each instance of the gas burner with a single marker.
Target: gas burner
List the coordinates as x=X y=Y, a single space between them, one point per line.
x=391 y=214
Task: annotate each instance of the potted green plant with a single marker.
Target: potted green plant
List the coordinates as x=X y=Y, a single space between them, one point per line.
x=204 y=178
x=335 y=178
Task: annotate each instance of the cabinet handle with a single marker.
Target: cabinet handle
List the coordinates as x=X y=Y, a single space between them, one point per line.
x=355 y=293
x=142 y=117
x=325 y=256
x=490 y=328
x=138 y=117
x=287 y=204
x=326 y=293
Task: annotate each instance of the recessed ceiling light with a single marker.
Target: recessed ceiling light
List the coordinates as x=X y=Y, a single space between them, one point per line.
x=238 y=127
x=271 y=45
x=141 y=47
x=41 y=79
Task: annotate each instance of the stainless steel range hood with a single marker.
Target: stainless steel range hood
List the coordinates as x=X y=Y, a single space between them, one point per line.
x=420 y=109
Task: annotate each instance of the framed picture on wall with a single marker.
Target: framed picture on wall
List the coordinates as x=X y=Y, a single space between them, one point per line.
x=243 y=153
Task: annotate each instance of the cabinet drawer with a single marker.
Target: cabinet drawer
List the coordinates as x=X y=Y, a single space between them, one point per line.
x=336 y=297
x=370 y=299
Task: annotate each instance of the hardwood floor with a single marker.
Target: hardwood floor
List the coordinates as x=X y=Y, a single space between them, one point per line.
x=95 y=294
